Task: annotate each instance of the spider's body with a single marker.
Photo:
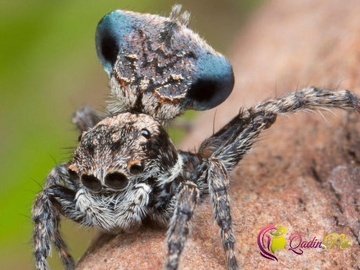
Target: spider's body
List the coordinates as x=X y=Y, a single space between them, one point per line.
x=126 y=170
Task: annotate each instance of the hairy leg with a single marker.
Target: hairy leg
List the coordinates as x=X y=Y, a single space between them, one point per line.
x=57 y=198
x=231 y=143
x=218 y=180
x=179 y=225
x=46 y=217
x=311 y=98
x=86 y=118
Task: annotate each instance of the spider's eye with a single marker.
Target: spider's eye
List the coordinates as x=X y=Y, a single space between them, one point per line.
x=136 y=168
x=116 y=180
x=146 y=133
x=91 y=182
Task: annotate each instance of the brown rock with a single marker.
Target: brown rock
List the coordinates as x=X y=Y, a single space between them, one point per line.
x=303 y=174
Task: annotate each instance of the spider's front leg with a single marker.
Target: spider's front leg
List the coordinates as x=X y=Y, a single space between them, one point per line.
x=179 y=226
x=53 y=200
x=58 y=197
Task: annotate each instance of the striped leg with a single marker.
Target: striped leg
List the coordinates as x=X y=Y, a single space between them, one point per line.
x=46 y=217
x=218 y=180
x=179 y=226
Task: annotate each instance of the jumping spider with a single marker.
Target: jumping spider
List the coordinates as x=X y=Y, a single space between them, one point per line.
x=126 y=169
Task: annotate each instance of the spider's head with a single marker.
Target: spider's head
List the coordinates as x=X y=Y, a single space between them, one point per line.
x=123 y=151
x=158 y=66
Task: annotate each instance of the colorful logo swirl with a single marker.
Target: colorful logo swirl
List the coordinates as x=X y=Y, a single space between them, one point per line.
x=270 y=239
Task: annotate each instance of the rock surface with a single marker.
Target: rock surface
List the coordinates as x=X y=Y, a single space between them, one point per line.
x=304 y=172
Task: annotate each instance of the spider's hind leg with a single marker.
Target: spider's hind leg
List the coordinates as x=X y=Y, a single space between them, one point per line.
x=231 y=143
x=310 y=98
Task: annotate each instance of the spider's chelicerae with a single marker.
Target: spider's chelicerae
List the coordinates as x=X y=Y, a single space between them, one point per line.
x=126 y=169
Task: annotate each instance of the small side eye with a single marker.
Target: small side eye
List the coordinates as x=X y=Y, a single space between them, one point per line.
x=73 y=174
x=91 y=182
x=146 y=133
x=116 y=180
x=136 y=167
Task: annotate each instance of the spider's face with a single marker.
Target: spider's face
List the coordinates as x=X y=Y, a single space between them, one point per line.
x=122 y=151
x=160 y=67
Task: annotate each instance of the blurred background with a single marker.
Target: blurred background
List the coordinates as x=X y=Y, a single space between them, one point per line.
x=48 y=69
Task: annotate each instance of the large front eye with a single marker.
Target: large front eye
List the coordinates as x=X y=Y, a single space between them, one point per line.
x=91 y=182
x=116 y=180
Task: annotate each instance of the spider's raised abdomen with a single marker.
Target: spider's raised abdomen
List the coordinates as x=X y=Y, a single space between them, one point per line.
x=159 y=66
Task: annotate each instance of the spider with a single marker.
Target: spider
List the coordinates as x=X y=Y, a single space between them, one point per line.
x=126 y=170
